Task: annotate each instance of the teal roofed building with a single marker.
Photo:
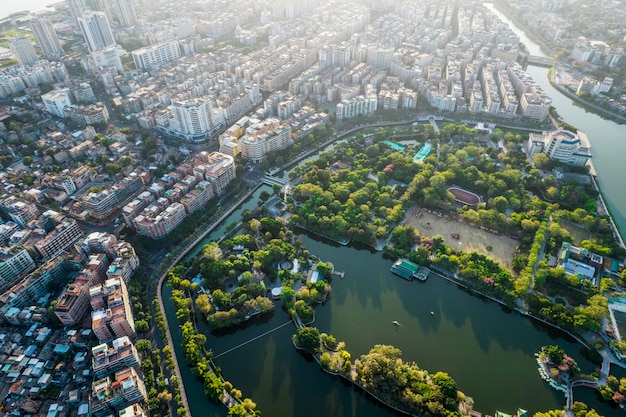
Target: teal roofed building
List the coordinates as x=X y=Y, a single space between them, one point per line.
x=405 y=268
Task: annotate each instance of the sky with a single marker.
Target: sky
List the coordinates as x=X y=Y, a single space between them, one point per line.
x=11 y=6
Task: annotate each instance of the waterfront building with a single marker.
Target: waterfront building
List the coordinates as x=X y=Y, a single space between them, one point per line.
x=111 y=395
x=561 y=145
x=156 y=222
x=347 y=109
x=57 y=101
x=46 y=37
x=216 y=168
x=23 y=50
x=96 y=30
x=111 y=316
x=198 y=197
x=155 y=56
x=110 y=358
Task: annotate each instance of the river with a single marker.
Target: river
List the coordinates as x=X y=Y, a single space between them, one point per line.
x=608 y=139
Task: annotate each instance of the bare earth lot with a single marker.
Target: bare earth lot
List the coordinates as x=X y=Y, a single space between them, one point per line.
x=470 y=238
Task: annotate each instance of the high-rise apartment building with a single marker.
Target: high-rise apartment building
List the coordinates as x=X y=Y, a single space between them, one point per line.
x=154 y=56
x=56 y=101
x=23 y=50
x=125 y=11
x=108 y=359
x=77 y=8
x=197 y=118
x=112 y=316
x=46 y=37
x=96 y=30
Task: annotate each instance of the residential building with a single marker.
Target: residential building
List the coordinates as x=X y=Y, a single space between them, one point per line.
x=14 y=265
x=100 y=242
x=125 y=11
x=77 y=8
x=347 y=109
x=110 y=358
x=91 y=114
x=73 y=304
x=112 y=316
x=110 y=395
x=96 y=30
x=198 y=197
x=216 y=168
x=46 y=37
x=23 y=50
x=156 y=55
x=124 y=264
x=264 y=136
x=197 y=119
x=59 y=239
x=21 y=212
x=156 y=222
x=109 y=57
x=57 y=101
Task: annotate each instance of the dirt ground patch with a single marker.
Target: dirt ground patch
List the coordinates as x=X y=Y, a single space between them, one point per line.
x=470 y=238
x=579 y=233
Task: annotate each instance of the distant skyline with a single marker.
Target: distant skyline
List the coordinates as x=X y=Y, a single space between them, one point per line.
x=8 y=7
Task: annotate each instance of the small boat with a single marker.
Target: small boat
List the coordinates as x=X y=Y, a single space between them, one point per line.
x=432 y=313
x=395 y=323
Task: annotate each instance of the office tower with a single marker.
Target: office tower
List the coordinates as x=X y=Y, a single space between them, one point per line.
x=77 y=8
x=23 y=50
x=96 y=30
x=126 y=12
x=46 y=37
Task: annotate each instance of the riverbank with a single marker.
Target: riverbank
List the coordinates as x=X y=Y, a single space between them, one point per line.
x=618 y=118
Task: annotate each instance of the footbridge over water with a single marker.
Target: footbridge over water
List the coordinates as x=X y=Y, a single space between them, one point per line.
x=271 y=180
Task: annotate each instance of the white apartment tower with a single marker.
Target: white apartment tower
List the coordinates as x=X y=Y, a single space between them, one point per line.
x=96 y=30
x=77 y=8
x=197 y=118
x=46 y=37
x=23 y=50
x=126 y=13
x=154 y=56
x=56 y=101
